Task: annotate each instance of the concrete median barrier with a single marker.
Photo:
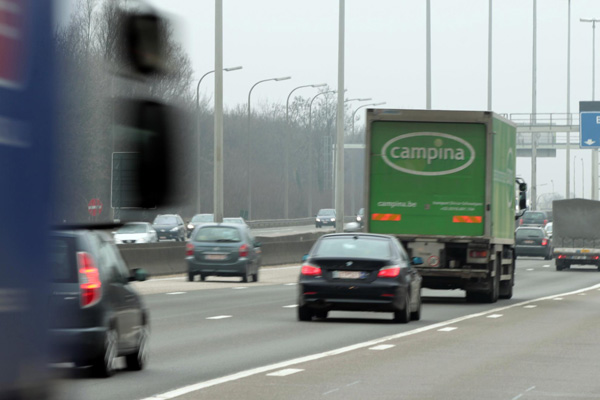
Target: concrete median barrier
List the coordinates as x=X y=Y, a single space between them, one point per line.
x=167 y=258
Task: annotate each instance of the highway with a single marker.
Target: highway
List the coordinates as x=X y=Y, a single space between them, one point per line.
x=205 y=332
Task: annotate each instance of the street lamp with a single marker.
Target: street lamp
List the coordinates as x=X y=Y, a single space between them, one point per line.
x=364 y=105
x=287 y=146
x=198 y=130
x=284 y=78
x=358 y=99
x=594 y=151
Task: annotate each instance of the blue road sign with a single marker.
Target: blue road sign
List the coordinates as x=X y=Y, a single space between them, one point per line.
x=589 y=130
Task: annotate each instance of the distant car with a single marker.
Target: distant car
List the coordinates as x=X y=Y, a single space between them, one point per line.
x=325 y=216
x=199 y=219
x=534 y=218
x=235 y=220
x=359 y=272
x=533 y=241
x=548 y=228
x=95 y=314
x=223 y=250
x=169 y=226
x=135 y=232
x=360 y=217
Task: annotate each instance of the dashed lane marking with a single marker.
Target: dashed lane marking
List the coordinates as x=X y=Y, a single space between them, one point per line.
x=530 y=306
x=448 y=329
x=291 y=306
x=495 y=316
x=240 y=288
x=382 y=347
x=220 y=317
x=176 y=293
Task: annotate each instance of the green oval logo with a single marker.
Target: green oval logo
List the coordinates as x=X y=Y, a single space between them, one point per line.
x=428 y=153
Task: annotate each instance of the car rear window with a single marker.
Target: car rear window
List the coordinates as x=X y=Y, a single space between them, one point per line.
x=535 y=218
x=203 y=218
x=165 y=220
x=350 y=247
x=327 y=212
x=63 y=260
x=529 y=233
x=218 y=234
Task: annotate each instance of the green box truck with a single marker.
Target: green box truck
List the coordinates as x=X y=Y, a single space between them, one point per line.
x=443 y=183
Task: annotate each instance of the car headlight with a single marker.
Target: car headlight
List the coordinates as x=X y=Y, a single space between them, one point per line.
x=358 y=218
x=318 y=220
x=190 y=226
x=332 y=219
x=175 y=229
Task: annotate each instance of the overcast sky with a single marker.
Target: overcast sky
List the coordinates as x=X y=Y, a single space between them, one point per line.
x=385 y=54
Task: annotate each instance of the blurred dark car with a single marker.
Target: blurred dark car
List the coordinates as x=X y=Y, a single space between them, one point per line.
x=199 y=219
x=96 y=315
x=169 y=226
x=223 y=250
x=534 y=218
x=359 y=272
x=360 y=217
x=533 y=241
x=325 y=216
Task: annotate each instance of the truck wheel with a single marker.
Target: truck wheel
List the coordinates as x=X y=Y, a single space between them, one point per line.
x=491 y=296
x=506 y=287
x=559 y=265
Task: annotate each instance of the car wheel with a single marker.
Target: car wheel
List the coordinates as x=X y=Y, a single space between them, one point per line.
x=137 y=360
x=416 y=315
x=246 y=276
x=548 y=256
x=104 y=366
x=322 y=314
x=202 y=277
x=559 y=265
x=255 y=277
x=191 y=276
x=403 y=316
x=304 y=314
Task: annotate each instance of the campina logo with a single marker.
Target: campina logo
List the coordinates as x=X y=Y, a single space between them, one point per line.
x=428 y=153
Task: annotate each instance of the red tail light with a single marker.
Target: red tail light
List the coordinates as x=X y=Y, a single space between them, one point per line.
x=244 y=250
x=189 y=249
x=310 y=270
x=596 y=257
x=389 y=272
x=544 y=242
x=561 y=256
x=90 y=286
x=478 y=253
x=521 y=221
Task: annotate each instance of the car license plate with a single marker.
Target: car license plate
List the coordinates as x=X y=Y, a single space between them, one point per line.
x=347 y=274
x=579 y=257
x=528 y=241
x=162 y=237
x=215 y=256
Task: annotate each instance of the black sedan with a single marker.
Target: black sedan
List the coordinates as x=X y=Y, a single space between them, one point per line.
x=533 y=241
x=359 y=272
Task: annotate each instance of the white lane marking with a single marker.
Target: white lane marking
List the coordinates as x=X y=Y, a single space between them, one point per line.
x=240 y=288
x=291 y=284
x=291 y=306
x=557 y=298
x=300 y=360
x=582 y=294
x=530 y=269
x=176 y=278
x=353 y=383
x=530 y=389
x=331 y=391
x=530 y=306
x=447 y=329
x=517 y=396
x=382 y=347
x=219 y=317
x=495 y=316
x=176 y=293
x=546 y=266
x=285 y=372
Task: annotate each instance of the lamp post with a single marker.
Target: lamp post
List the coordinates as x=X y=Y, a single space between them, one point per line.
x=310 y=150
x=489 y=94
x=358 y=99
x=284 y=78
x=359 y=107
x=198 y=174
x=568 y=196
x=594 y=151
x=287 y=147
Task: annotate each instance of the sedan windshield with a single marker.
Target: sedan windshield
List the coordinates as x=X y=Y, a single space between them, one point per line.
x=217 y=234
x=350 y=247
x=327 y=212
x=133 y=228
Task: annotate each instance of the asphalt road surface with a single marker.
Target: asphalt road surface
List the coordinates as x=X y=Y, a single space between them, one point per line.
x=222 y=339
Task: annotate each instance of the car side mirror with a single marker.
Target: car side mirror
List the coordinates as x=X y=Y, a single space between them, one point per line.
x=139 y=274
x=417 y=261
x=257 y=244
x=304 y=257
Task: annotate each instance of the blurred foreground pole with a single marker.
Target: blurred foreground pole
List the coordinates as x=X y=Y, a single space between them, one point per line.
x=339 y=148
x=218 y=176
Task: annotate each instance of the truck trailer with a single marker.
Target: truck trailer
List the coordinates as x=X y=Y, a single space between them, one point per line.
x=443 y=183
x=575 y=234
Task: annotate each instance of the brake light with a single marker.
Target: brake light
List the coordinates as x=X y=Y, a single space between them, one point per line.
x=521 y=221
x=310 y=270
x=544 y=242
x=561 y=256
x=244 y=250
x=89 y=280
x=389 y=272
x=478 y=253
x=189 y=249
x=545 y=222
x=596 y=257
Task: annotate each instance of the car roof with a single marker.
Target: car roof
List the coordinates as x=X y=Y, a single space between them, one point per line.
x=358 y=235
